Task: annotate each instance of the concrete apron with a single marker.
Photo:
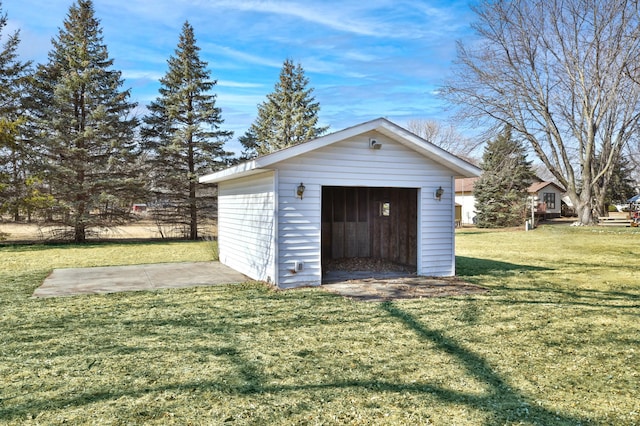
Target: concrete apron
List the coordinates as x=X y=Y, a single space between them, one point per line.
x=112 y=279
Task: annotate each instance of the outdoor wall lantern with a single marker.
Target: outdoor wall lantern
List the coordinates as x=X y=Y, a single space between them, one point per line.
x=439 y=193
x=300 y=190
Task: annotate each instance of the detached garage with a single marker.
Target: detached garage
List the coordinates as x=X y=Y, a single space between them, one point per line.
x=374 y=190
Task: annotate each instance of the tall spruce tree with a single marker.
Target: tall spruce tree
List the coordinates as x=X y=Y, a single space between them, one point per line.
x=13 y=150
x=621 y=184
x=288 y=117
x=82 y=125
x=182 y=132
x=501 y=190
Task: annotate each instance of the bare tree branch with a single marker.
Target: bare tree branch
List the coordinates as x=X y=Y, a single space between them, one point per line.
x=446 y=137
x=563 y=74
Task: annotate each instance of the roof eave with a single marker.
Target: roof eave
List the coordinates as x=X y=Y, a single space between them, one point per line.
x=255 y=166
x=459 y=166
x=239 y=170
x=462 y=168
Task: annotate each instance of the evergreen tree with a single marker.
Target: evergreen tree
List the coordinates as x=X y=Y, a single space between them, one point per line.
x=621 y=184
x=82 y=125
x=182 y=132
x=501 y=190
x=288 y=117
x=13 y=150
x=249 y=144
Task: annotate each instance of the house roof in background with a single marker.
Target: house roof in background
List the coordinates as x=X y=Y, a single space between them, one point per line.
x=459 y=166
x=538 y=186
x=465 y=184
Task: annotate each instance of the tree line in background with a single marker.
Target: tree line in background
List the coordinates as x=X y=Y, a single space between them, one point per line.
x=559 y=78
x=72 y=152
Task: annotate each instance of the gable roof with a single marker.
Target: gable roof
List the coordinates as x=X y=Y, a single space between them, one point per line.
x=467 y=184
x=459 y=166
x=538 y=186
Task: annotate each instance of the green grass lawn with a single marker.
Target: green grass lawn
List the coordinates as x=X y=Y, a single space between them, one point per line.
x=555 y=341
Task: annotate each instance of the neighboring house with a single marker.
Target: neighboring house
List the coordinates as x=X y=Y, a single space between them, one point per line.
x=549 y=196
x=466 y=200
x=374 y=190
x=548 y=205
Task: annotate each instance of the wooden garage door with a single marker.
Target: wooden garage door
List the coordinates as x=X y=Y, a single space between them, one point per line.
x=380 y=223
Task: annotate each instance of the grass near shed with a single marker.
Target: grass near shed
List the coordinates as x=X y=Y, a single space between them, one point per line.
x=556 y=341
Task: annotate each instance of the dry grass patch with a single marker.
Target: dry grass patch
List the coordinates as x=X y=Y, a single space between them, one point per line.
x=142 y=229
x=555 y=342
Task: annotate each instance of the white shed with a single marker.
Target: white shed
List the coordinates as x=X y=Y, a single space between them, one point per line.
x=372 y=190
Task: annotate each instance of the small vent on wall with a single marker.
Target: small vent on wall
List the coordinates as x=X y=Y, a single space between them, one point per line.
x=298 y=266
x=375 y=144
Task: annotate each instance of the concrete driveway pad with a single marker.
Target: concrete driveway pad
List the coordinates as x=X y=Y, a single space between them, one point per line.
x=112 y=279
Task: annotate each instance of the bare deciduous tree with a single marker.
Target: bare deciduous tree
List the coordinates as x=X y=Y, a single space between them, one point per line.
x=446 y=137
x=561 y=73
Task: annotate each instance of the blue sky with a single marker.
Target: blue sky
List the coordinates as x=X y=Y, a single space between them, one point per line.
x=364 y=58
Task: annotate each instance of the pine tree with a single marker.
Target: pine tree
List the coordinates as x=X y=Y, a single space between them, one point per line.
x=249 y=144
x=82 y=125
x=621 y=184
x=182 y=132
x=288 y=117
x=501 y=190
x=13 y=150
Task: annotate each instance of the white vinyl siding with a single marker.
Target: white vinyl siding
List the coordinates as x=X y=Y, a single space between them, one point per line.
x=352 y=163
x=265 y=229
x=246 y=237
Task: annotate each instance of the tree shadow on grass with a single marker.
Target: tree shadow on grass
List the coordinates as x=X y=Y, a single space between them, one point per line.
x=468 y=267
x=246 y=375
x=626 y=301
x=501 y=402
x=471 y=266
x=513 y=405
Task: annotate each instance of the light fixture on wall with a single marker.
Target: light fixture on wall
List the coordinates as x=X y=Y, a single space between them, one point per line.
x=439 y=193
x=300 y=190
x=375 y=144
